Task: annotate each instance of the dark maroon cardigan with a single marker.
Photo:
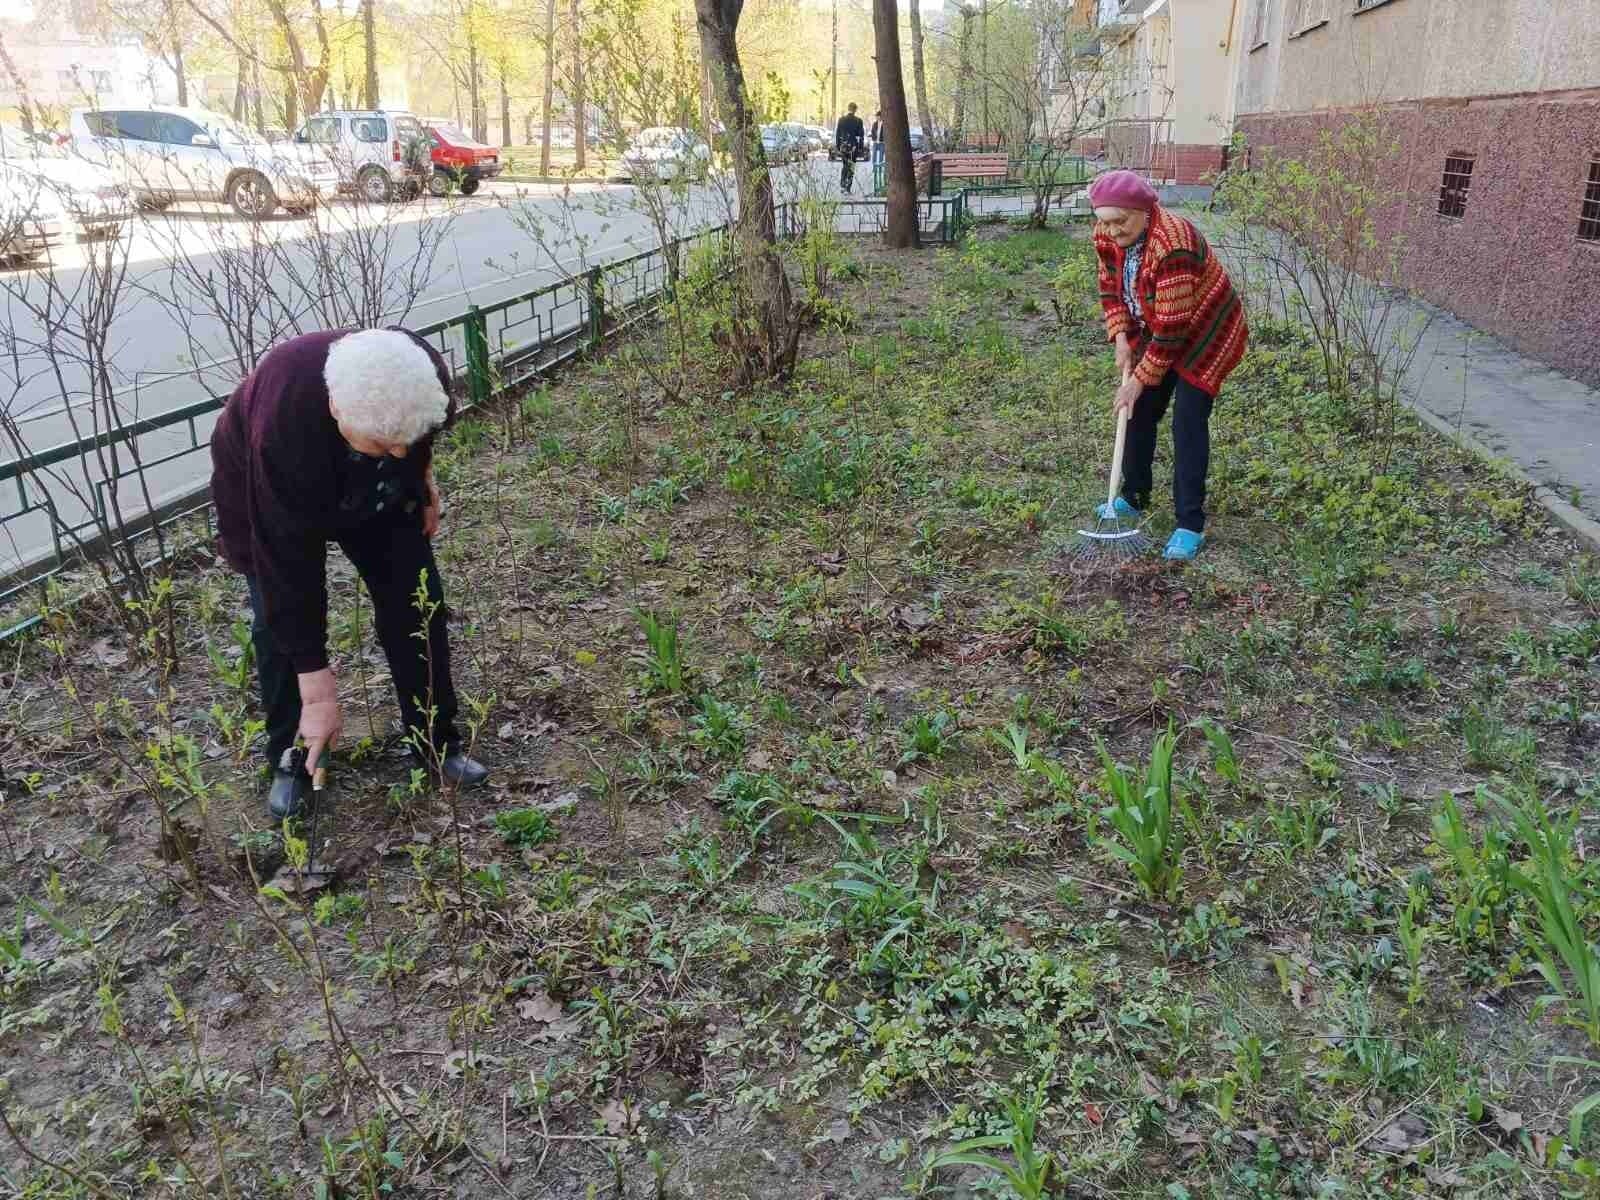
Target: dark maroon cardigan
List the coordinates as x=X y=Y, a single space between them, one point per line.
x=275 y=471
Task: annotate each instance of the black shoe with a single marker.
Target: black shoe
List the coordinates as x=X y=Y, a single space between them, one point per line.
x=463 y=770
x=289 y=787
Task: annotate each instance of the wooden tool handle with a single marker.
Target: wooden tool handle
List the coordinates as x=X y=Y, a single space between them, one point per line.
x=1116 y=455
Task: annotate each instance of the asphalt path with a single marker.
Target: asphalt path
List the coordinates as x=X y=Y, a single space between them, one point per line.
x=177 y=326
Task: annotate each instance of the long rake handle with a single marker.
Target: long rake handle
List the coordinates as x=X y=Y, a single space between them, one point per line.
x=1116 y=455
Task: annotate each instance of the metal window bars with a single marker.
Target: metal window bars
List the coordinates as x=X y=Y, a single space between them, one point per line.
x=1453 y=189
x=1589 y=213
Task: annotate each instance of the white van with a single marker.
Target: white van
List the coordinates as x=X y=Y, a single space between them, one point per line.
x=377 y=155
x=168 y=154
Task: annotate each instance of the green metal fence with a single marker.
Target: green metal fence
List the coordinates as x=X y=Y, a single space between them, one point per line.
x=489 y=348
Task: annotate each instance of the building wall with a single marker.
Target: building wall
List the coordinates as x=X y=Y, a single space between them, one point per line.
x=1170 y=88
x=1201 y=72
x=1416 y=49
x=1512 y=83
x=63 y=73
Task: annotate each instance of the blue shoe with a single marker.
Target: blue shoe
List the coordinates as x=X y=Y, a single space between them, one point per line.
x=1120 y=508
x=1184 y=545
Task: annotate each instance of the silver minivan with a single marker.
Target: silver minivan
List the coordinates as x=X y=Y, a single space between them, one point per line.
x=378 y=155
x=169 y=154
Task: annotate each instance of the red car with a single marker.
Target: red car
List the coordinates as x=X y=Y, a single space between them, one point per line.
x=458 y=159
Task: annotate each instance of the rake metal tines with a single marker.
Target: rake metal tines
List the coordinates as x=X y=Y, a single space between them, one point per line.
x=1110 y=543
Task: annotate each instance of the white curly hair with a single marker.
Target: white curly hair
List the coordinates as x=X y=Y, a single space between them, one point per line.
x=384 y=385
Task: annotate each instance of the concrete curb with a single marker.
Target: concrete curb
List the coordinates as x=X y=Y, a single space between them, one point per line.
x=548 y=179
x=1580 y=524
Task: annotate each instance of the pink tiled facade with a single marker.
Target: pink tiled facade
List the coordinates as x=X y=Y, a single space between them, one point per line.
x=1513 y=264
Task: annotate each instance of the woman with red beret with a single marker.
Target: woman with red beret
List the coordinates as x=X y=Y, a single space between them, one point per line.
x=1179 y=329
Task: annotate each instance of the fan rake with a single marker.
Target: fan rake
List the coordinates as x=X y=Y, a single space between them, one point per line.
x=1115 y=539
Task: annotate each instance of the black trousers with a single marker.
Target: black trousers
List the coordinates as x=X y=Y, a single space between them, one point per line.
x=390 y=556
x=847 y=171
x=1191 y=448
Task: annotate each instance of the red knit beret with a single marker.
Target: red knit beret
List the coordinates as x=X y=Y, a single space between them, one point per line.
x=1122 y=189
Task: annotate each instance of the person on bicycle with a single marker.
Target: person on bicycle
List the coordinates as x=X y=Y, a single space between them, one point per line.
x=848 y=137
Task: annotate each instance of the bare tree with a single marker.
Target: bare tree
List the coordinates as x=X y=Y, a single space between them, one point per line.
x=369 y=39
x=1049 y=79
x=233 y=289
x=579 y=128
x=549 y=82
x=919 y=73
x=174 y=42
x=958 y=122
x=58 y=346
x=24 y=100
x=229 y=290
x=771 y=347
x=306 y=81
x=900 y=220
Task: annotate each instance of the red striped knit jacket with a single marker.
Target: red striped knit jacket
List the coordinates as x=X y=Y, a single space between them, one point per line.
x=1193 y=321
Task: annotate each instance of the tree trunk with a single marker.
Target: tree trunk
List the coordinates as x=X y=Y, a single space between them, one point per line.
x=291 y=103
x=760 y=268
x=549 y=83
x=255 y=97
x=580 y=130
x=505 y=110
x=900 y=218
x=177 y=53
x=369 y=32
x=919 y=75
x=958 y=121
x=241 y=91
x=474 y=80
x=705 y=102
x=24 y=101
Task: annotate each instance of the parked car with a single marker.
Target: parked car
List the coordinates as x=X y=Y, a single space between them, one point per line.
x=96 y=201
x=377 y=155
x=664 y=153
x=458 y=158
x=32 y=218
x=804 y=137
x=167 y=154
x=824 y=136
x=780 y=145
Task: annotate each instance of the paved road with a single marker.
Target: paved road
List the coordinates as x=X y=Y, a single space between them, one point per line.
x=172 y=346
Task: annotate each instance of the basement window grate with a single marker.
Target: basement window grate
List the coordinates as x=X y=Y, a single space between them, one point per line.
x=1589 y=215
x=1453 y=191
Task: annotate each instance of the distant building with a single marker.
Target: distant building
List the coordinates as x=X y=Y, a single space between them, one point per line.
x=1496 y=107
x=64 y=69
x=1166 y=70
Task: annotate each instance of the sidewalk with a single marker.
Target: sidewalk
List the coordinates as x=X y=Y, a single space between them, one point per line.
x=1513 y=406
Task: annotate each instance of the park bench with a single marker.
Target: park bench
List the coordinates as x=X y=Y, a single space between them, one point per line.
x=974 y=166
x=993 y=168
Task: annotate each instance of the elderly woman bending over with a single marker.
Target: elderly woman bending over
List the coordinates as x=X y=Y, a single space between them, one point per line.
x=330 y=439
x=1178 y=328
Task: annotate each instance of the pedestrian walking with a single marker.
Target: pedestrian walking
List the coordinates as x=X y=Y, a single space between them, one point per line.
x=848 y=137
x=877 y=138
x=1179 y=329
x=330 y=439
